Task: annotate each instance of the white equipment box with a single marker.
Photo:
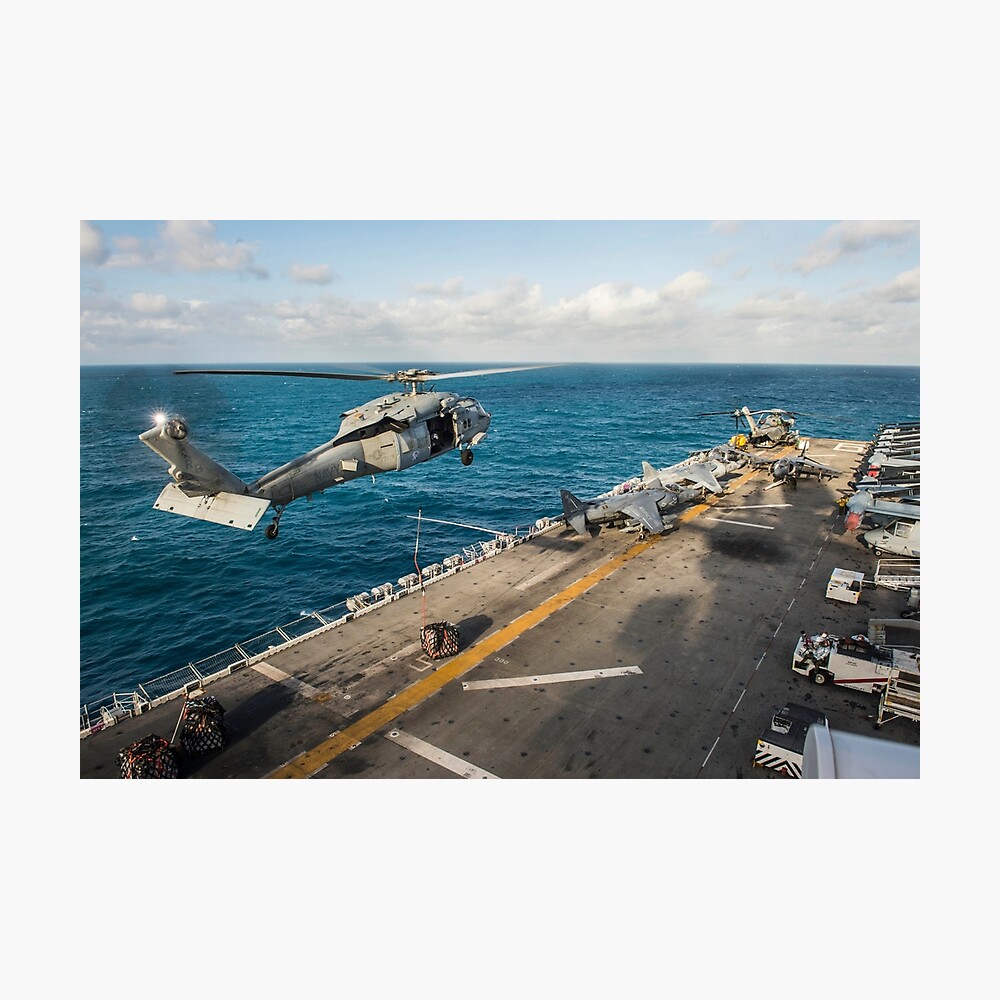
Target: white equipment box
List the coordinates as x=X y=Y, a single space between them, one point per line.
x=845 y=586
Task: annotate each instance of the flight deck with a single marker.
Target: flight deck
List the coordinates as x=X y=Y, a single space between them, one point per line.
x=619 y=655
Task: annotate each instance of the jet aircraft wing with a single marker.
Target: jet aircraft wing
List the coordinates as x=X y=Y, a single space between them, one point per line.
x=701 y=475
x=642 y=508
x=698 y=473
x=809 y=463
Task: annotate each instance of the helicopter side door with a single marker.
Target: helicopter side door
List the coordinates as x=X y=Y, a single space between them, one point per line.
x=441 y=433
x=412 y=445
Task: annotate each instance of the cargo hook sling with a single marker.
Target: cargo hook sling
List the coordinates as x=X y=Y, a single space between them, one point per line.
x=420 y=577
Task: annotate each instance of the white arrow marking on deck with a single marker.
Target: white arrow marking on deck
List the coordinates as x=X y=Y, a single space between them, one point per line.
x=571 y=675
x=438 y=756
x=752 y=506
x=742 y=524
x=280 y=677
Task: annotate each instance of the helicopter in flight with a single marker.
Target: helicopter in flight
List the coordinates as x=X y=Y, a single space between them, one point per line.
x=764 y=428
x=387 y=434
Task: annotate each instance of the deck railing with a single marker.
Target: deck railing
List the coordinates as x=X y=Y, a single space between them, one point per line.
x=115 y=707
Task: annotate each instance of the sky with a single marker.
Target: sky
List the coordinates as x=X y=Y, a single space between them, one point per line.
x=450 y=291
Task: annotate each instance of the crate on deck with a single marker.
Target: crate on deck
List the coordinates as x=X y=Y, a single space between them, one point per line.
x=150 y=757
x=439 y=639
x=201 y=729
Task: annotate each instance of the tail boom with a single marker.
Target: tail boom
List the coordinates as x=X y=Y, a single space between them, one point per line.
x=192 y=470
x=201 y=488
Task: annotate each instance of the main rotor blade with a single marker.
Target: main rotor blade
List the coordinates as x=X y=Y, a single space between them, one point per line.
x=407 y=375
x=482 y=371
x=257 y=371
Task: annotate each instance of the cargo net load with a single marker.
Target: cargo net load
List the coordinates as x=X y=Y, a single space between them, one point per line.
x=150 y=757
x=201 y=730
x=439 y=639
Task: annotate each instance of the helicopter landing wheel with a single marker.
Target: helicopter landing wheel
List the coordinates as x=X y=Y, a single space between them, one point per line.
x=271 y=531
x=467 y=457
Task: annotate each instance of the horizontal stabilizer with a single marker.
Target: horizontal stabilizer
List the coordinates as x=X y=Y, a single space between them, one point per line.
x=230 y=509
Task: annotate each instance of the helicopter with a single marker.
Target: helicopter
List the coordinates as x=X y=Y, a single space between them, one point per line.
x=864 y=505
x=387 y=434
x=767 y=428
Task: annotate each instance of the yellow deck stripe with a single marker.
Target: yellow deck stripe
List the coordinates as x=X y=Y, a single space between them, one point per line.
x=310 y=761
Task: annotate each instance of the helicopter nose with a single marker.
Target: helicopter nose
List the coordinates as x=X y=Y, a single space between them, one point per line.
x=475 y=422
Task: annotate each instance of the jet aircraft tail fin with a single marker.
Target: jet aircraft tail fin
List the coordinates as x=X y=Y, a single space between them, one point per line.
x=575 y=511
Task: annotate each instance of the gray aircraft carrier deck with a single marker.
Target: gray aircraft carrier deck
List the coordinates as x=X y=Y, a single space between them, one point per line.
x=606 y=657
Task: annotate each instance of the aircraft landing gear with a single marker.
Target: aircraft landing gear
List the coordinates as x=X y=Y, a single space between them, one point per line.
x=271 y=531
x=467 y=457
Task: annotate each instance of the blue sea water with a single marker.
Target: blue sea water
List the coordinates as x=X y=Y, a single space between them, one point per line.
x=158 y=591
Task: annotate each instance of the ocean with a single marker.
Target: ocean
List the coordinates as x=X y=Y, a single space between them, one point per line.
x=158 y=591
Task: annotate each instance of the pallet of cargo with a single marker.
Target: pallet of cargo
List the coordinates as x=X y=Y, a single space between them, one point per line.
x=150 y=757
x=439 y=639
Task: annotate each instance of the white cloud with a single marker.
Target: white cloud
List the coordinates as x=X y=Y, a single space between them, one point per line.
x=784 y=304
x=311 y=274
x=448 y=288
x=185 y=246
x=904 y=287
x=154 y=305
x=846 y=238
x=689 y=285
x=192 y=246
x=514 y=322
x=607 y=304
x=93 y=248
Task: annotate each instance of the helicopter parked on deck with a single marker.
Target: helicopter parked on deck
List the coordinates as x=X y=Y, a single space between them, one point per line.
x=764 y=428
